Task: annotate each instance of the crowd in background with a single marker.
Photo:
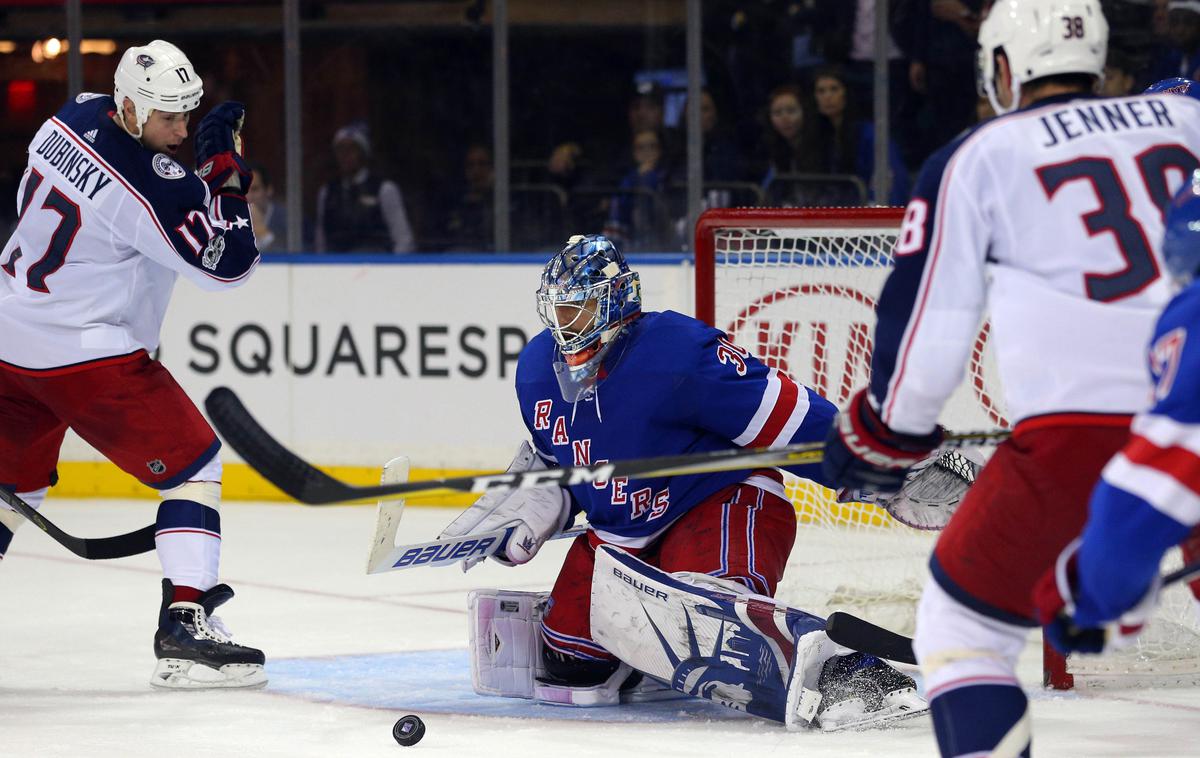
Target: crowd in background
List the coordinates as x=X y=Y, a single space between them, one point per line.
x=786 y=114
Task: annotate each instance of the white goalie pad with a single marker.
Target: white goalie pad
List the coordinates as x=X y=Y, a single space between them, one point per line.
x=710 y=638
x=506 y=641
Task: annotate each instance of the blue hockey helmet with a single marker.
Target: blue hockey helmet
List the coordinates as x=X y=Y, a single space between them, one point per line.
x=587 y=293
x=1176 y=85
x=1181 y=242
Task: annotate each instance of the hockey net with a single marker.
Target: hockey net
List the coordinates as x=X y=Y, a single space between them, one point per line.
x=798 y=288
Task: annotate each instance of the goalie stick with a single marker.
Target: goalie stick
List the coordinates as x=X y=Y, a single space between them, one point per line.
x=92 y=548
x=307 y=484
x=862 y=635
x=386 y=555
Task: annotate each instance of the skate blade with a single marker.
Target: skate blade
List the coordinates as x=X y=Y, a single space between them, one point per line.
x=899 y=707
x=179 y=674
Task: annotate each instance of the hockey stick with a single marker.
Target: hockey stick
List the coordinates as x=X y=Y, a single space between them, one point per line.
x=452 y=550
x=865 y=637
x=862 y=635
x=307 y=484
x=92 y=548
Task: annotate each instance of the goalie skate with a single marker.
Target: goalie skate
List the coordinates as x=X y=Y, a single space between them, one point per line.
x=859 y=691
x=195 y=651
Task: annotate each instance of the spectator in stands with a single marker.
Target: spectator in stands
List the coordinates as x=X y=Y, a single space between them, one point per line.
x=568 y=168
x=360 y=211
x=1182 y=56
x=1120 y=74
x=636 y=215
x=788 y=147
x=1159 y=19
x=646 y=108
x=469 y=221
x=722 y=160
x=845 y=143
x=943 y=49
x=857 y=27
x=268 y=217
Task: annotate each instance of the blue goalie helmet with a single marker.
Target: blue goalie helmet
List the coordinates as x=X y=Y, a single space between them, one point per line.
x=1176 y=85
x=1181 y=243
x=587 y=293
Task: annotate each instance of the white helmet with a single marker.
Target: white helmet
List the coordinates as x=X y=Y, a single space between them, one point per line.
x=1041 y=38
x=157 y=76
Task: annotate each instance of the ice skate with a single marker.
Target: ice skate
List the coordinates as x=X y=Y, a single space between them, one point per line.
x=195 y=650
x=860 y=691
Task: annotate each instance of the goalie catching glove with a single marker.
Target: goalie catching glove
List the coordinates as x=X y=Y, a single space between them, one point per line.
x=931 y=492
x=537 y=515
x=1056 y=596
x=861 y=452
x=219 y=150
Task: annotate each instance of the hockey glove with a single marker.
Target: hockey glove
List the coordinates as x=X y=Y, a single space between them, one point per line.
x=537 y=515
x=932 y=491
x=862 y=453
x=1055 y=597
x=219 y=150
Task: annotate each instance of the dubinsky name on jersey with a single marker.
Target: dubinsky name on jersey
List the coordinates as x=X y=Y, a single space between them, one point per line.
x=105 y=227
x=1050 y=218
x=673 y=385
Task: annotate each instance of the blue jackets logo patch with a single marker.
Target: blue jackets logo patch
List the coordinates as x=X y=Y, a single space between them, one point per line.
x=167 y=168
x=143 y=60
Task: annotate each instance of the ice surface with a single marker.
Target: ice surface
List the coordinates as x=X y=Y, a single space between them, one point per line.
x=348 y=654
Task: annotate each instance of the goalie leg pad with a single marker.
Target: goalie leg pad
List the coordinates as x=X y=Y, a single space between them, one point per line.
x=734 y=648
x=506 y=641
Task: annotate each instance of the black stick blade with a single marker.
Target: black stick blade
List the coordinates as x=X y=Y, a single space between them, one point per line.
x=266 y=455
x=862 y=635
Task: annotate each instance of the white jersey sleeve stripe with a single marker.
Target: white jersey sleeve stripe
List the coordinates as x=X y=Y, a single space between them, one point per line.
x=799 y=412
x=1164 y=431
x=759 y=420
x=1166 y=493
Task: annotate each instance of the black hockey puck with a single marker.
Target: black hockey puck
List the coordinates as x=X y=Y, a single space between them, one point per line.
x=409 y=730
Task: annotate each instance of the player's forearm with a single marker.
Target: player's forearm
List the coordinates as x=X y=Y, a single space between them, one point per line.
x=1123 y=545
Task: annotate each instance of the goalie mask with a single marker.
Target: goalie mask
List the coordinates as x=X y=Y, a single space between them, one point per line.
x=157 y=76
x=586 y=297
x=1040 y=38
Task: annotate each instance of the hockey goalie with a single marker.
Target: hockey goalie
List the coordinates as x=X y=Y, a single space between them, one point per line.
x=669 y=593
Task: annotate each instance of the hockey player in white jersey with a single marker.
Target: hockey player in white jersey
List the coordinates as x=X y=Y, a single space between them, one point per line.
x=1048 y=216
x=1105 y=585
x=108 y=220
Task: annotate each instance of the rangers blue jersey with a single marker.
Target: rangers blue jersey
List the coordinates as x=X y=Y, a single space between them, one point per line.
x=673 y=385
x=1149 y=496
x=105 y=227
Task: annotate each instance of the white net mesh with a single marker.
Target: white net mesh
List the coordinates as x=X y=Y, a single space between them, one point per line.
x=803 y=299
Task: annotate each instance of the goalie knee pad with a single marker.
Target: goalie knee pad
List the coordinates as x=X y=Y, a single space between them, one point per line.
x=506 y=641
